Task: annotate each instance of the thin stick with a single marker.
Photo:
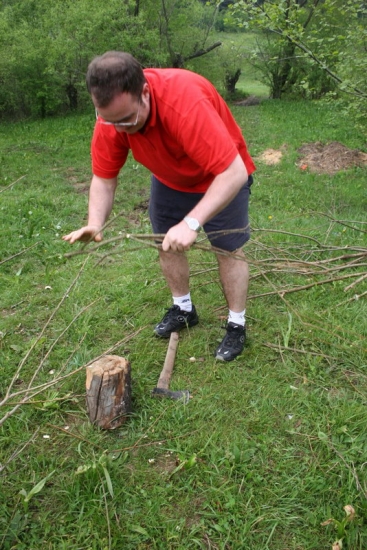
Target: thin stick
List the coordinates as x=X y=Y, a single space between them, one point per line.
x=17 y=452
x=11 y=185
x=296 y=350
x=106 y=510
x=303 y=287
x=19 y=253
x=340 y=222
x=22 y=363
x=76 y=436
x=56 y=342
x=352 y=285
x=352 y=299
x=307 y=237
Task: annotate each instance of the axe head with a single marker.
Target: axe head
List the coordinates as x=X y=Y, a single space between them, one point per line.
x=183 y=395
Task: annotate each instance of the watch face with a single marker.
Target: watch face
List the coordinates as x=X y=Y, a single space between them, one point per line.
x=192 y=223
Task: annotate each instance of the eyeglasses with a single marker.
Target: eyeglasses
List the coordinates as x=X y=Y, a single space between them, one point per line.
x=123 y=124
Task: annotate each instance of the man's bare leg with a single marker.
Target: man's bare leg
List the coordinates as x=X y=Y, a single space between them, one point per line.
x=233 y=273
x=234 y=276
x=176 y=271
x=175 y=268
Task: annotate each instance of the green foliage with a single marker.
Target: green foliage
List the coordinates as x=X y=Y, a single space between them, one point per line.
x=47 y=47
x=311 y=50
x=184 y=29
x=28 y=495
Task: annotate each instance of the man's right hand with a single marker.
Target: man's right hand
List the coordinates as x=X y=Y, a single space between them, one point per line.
x=84 y=234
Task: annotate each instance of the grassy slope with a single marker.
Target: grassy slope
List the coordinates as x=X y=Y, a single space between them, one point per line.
x=279 y=438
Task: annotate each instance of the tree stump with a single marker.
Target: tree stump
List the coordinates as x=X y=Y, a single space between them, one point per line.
x=108 y=386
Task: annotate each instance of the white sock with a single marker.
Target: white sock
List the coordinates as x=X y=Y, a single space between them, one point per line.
x=184 y=302
x=237 y=318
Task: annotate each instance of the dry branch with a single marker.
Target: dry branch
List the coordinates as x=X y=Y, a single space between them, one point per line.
x=282 y=259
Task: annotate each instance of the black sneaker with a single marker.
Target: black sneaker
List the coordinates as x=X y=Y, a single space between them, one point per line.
x=176 y=319
x=232 y=344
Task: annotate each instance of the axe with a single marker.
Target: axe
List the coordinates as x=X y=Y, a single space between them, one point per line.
x=162 y=389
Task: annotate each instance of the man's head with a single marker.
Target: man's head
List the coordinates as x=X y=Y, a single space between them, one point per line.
x=119 y=91
x=114 y=73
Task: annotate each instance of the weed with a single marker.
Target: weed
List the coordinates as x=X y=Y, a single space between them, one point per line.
x=34 y=491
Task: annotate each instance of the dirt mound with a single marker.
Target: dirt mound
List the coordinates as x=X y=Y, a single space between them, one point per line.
x=329 y=158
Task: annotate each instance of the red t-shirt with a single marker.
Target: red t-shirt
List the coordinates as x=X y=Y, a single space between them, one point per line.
x=189 y=138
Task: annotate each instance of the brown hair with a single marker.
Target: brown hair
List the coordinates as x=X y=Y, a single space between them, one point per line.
x=113 y=73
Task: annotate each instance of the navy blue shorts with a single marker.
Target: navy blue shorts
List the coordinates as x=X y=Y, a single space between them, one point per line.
x=167 y=207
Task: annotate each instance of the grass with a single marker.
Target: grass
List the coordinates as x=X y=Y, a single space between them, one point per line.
x=270 y=446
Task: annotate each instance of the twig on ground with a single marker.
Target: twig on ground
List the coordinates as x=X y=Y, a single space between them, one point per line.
x=341 y=222
x=352 y=285
x=297 y=350
x=284 y=291
x=22 y=363
x=19 y=253
x=352 y=299
x=350 y=467
x=11 y=185
x=107 y=512
x=19 y=451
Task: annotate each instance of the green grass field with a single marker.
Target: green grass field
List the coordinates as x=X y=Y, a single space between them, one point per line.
x=271 y=445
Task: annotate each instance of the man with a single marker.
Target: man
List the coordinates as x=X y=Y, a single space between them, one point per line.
x=177 y=125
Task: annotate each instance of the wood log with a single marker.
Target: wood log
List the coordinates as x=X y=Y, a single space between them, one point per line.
x=108 y=386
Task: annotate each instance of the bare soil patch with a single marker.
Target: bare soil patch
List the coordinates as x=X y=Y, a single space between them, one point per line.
x=320 y=158
x=78 y=181
x=329 y=158
x=270 y=157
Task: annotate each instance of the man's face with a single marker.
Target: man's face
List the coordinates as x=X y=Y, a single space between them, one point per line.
x=126 y=109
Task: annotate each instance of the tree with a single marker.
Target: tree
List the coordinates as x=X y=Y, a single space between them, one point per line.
x=46 y=46
x=306 y=40
x=184 y=28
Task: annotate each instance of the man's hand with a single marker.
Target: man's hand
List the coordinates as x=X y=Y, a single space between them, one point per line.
x=179 y=238
x=101 y=195
x=84 y=234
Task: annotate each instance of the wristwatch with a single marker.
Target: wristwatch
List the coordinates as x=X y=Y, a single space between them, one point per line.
x=193 y=223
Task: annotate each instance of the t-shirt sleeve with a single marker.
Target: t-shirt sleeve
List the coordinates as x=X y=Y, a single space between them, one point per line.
x=109 y=153
x=206 y=139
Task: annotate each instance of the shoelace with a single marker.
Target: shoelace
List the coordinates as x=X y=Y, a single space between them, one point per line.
x=230 y=337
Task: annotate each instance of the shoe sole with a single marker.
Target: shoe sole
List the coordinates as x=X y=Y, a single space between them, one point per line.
x=168 y=334
x=220 y=358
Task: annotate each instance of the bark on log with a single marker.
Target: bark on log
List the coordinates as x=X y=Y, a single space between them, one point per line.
x=108 y=386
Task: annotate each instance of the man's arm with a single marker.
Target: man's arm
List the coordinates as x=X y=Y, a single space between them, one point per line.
x=101 y=197
x=223 y=189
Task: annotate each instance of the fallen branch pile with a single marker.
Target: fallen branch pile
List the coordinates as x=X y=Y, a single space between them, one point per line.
x=302 y=255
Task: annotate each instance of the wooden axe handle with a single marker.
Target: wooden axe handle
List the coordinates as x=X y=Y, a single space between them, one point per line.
x=166 y=373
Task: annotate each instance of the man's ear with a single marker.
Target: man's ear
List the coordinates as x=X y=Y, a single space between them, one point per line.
x=146 y=92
